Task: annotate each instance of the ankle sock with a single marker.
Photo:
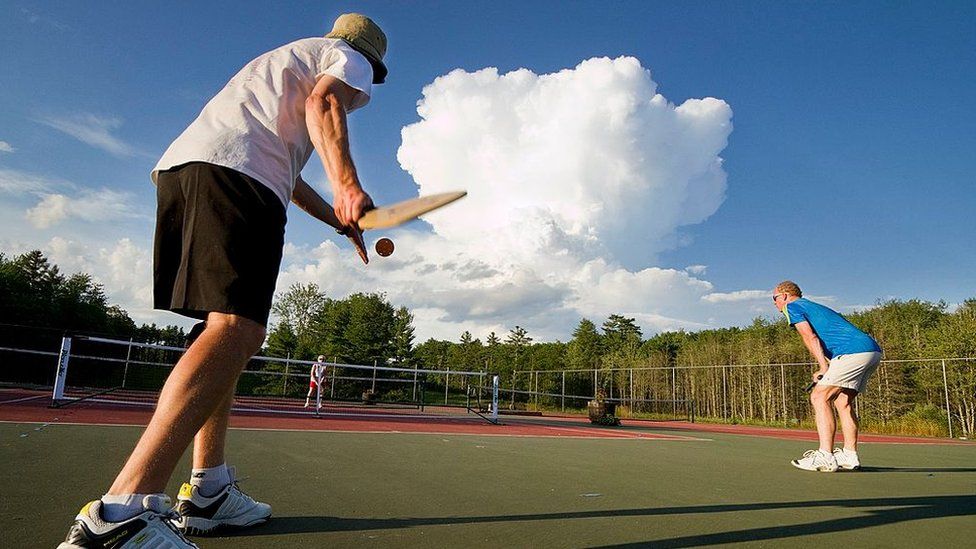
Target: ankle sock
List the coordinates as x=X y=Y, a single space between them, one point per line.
x=122 y=507
x=210 y=480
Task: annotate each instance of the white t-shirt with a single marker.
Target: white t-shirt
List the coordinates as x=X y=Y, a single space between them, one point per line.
x=318 y=372
x=256 y=123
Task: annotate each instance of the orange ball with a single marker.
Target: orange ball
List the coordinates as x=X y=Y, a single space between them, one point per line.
x=384 y=247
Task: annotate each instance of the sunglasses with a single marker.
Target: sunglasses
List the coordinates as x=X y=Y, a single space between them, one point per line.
x=776 y=296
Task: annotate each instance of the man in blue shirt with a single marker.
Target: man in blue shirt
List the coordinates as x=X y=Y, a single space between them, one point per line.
x=847 y=358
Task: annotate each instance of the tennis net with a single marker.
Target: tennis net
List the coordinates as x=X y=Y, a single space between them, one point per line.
x=121 y=372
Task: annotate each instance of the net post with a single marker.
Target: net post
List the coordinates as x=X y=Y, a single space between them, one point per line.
x=62 y=372
x=318 y=396
x=494 y=399
x=128 y=356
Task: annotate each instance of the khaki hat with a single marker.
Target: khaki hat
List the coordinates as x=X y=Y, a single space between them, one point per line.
x=365 y=37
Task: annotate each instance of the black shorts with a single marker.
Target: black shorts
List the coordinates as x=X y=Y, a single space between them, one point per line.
x=219 y=238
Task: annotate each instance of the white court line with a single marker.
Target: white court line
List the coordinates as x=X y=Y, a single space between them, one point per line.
x=663 y=438
x=24 y=399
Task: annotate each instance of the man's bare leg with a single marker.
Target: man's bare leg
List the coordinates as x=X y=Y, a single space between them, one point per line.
x=822 y=397
x=209 y=367
x=844 y=403
x=208 y=444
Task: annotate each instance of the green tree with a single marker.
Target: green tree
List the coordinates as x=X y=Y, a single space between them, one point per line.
x=403 y=334
x=585 y=348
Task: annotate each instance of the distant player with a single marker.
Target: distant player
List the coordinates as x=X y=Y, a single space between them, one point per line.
x=847 y=358
x=316 y=379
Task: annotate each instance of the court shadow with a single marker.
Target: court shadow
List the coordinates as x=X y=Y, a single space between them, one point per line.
x=916 y=470
x=878 y=511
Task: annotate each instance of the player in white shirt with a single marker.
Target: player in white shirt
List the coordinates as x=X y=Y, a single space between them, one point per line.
x=316 y=379
x=222 y=190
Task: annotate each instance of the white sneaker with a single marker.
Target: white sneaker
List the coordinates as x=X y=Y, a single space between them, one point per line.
x=150 y=528
x=229 y=508
x=816 y=460
x=847 y=459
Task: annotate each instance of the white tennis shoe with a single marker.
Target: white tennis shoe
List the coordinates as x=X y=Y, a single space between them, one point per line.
x=150 y=528
x=846 y=459
x=230 y=508
x=816 y=460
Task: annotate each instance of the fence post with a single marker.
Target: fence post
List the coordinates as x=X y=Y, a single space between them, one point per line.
x=725 y=398
x=631 y=389
x=415 y=381
x=945 y=385
x=563 y=394
x=674 y=389
x=287 y=364
x=447 y=383
x=782 y=377
x=373 y=388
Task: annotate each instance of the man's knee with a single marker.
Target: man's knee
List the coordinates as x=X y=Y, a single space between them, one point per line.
x=246 y=333
x=822 y=396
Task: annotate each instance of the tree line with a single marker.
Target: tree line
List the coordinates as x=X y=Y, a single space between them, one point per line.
x=730 y=374
x=38 y=303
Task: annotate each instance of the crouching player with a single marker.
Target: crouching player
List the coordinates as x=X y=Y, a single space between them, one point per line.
x=847 y=358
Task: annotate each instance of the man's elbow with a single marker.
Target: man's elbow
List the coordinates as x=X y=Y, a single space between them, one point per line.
x=321 y=103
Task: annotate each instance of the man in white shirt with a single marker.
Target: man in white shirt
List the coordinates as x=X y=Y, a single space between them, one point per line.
x=316 y=380
x=222 y=189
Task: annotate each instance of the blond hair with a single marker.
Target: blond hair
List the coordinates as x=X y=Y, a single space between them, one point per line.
x=788 y=287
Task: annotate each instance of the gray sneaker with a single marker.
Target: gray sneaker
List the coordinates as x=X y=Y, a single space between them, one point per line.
x=847 y=459
x=816 y=460
x=230 y=508
x=150 y=528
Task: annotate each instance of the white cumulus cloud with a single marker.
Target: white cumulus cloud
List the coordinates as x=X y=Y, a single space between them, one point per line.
x=6 y=147
x=92 y=205
x=576 y=181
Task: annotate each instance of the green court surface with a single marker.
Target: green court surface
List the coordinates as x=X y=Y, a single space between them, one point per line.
x=414 y=490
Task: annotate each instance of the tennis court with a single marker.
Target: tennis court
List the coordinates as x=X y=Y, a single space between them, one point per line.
x=384 y=477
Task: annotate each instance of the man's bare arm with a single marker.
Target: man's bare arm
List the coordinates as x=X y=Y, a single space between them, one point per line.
x=305 y=197
x=325 y=117
x=812 y=343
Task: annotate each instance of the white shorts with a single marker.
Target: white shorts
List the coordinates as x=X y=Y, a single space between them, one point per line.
x=851 y=371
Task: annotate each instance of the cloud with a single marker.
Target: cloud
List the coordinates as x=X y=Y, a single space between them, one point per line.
x=741 y=295
x=16 y=182
x=696 y=269
x=576 y=181
x=34 y=18
x=6 y=147
x=93 y=130
x=92 y=205
x=122 y=267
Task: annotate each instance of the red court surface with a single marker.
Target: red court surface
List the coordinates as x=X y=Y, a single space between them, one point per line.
x=33 y=406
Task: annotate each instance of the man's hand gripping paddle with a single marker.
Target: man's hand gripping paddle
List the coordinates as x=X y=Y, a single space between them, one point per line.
x=812 y=384
x=393 y=215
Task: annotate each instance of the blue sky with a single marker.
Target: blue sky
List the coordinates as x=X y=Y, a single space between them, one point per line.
x=849 y=168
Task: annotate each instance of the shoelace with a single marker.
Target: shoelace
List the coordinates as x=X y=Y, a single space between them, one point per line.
x=168 y=517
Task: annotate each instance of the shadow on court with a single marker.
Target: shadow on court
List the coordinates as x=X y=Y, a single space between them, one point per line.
x=917 y=470
x=879 y=512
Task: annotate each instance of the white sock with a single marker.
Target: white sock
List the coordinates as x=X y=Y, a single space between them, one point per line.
x=210 y=480
x=119 y=508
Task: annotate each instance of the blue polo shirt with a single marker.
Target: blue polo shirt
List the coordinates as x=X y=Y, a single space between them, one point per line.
x=837 y=335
